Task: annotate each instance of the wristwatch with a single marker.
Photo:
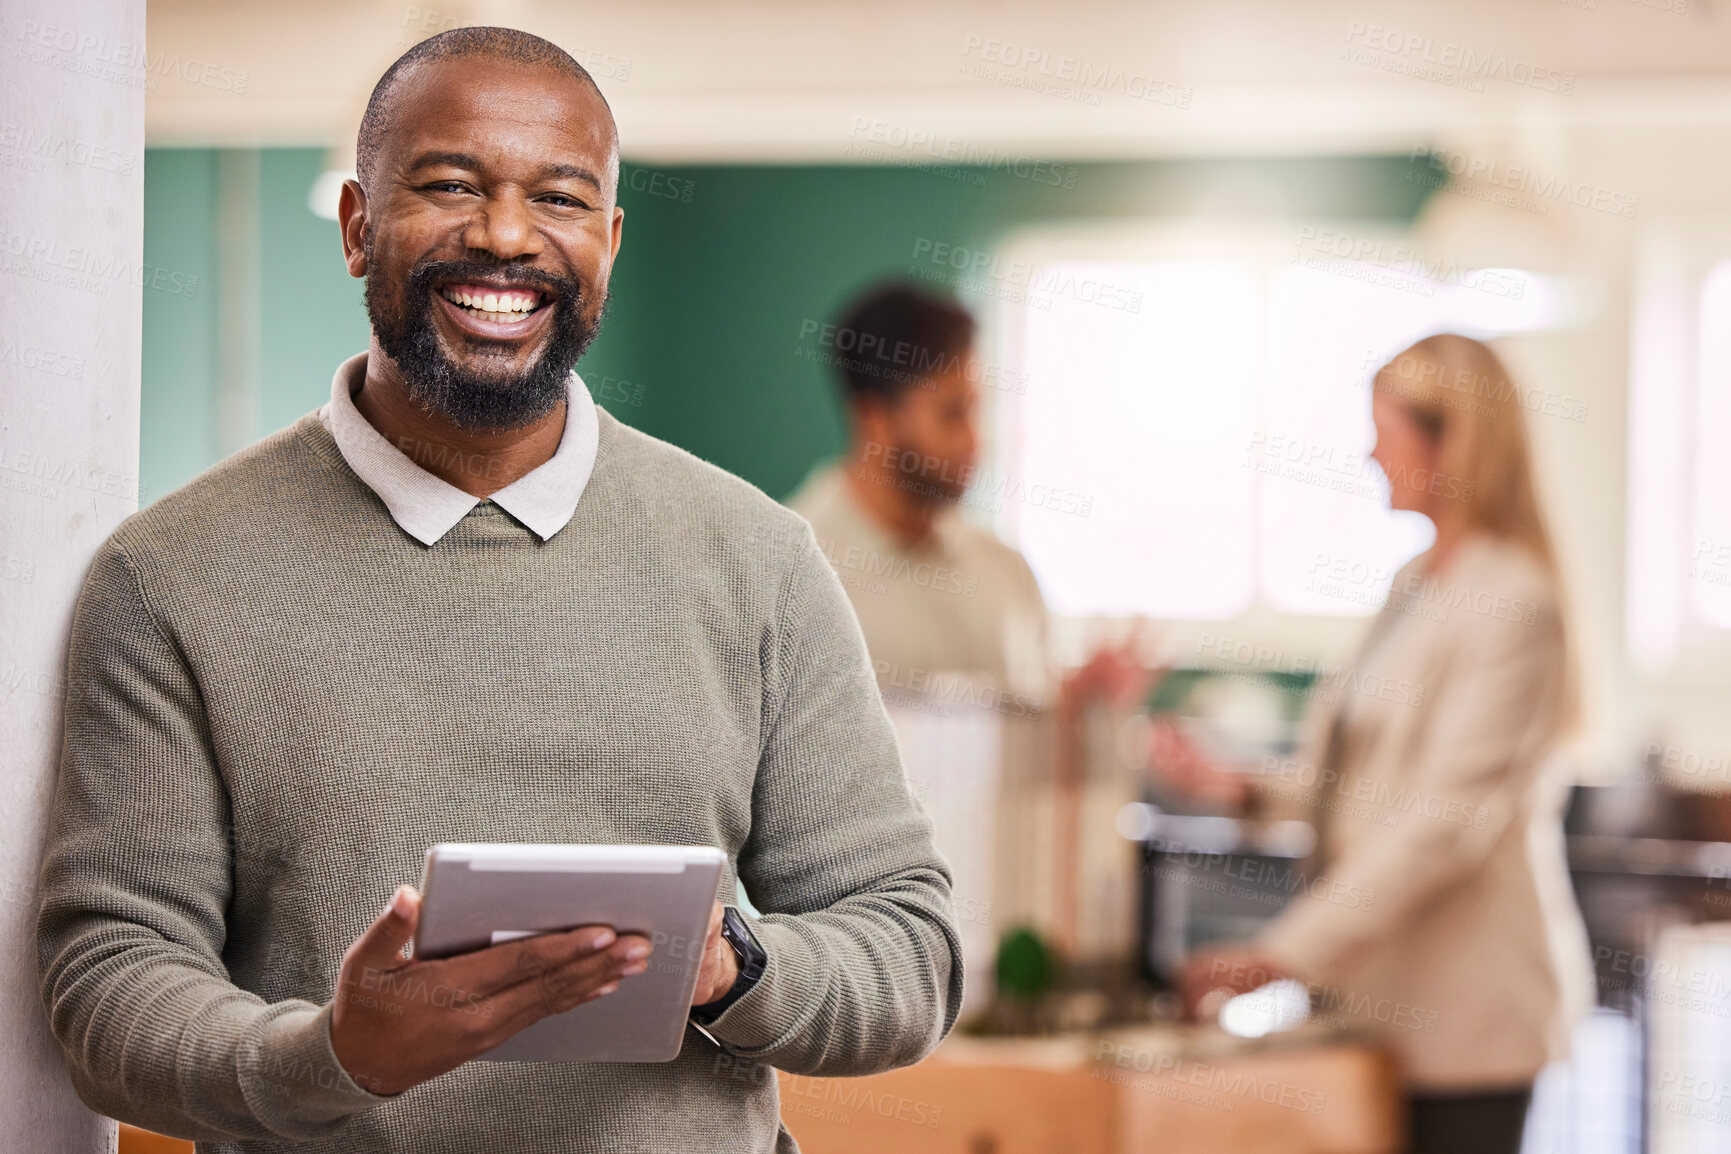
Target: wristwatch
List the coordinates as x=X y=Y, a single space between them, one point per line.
x=752 y=962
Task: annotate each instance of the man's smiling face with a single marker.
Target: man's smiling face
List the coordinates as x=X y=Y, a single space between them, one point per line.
x=487 y=235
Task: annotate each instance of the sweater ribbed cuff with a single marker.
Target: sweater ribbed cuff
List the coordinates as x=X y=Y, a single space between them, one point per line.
x=292 y=1078
x=790 y=990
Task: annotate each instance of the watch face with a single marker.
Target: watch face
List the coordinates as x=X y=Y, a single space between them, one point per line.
x=743 y=941
x=753 y=960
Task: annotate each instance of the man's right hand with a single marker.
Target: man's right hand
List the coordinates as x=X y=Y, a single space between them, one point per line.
x=397 y=1022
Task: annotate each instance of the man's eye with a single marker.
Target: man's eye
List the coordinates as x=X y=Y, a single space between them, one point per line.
x=561 y=200
x=446 y=186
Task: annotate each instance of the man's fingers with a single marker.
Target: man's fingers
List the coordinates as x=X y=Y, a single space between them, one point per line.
x=715 y=915
x=504 y=967
x=381 y=946
x=713 y=961
x=560 y=988
x=496 y=968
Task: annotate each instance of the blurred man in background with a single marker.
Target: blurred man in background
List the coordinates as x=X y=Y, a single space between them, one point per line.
x=934 y=594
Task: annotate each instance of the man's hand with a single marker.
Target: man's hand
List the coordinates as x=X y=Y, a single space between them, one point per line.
x=720 y=964
x=1115 y=674
x=397 y=1022
x=1212 y=977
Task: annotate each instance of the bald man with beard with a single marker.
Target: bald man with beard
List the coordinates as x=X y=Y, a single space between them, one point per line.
x=460 y=603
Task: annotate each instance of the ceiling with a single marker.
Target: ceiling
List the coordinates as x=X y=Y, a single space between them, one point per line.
x=846 y=80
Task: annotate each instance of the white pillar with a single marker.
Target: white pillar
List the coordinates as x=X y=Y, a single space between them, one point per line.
x=72 y=84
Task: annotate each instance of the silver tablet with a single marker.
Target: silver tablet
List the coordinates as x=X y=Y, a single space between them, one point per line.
x=475 y=895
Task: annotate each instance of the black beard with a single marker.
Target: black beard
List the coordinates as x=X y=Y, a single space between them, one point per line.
x=479 y=400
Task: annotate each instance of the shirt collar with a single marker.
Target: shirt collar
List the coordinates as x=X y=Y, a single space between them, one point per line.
x=425 y=506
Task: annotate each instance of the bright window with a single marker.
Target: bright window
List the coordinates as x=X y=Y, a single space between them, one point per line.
x=1150 y=417
x=1209 y=414
x=1710 y=589
x=1679 y=559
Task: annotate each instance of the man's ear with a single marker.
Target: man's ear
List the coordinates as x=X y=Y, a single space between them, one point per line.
x=873 y=424
x=352 y=221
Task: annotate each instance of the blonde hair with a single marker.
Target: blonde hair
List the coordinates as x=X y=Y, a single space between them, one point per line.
x=1459 y=392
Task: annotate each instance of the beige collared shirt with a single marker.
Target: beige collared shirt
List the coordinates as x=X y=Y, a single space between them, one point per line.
x=961 y=603
x=426 y=506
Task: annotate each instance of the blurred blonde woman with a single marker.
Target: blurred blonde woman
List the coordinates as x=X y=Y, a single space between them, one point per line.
x=1438 y=911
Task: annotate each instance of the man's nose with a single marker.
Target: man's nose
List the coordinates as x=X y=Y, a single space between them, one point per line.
x=504 y=228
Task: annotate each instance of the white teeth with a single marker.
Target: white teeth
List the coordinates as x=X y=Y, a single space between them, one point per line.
x=498 y=307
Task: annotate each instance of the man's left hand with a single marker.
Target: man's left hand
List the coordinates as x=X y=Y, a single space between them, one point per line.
x=720 y=964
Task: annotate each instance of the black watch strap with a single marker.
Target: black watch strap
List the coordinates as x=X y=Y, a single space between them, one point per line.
x=752 y=962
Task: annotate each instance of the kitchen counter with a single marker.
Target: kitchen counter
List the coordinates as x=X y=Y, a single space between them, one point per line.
x=1169 y=1090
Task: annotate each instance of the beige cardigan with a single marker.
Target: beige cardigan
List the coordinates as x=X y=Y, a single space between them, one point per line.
x=1442 y=917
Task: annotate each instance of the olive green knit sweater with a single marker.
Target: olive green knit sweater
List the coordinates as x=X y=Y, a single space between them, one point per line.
x=277 y=700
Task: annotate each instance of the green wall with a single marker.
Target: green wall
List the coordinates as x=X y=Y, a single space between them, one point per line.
x=177 y=419
x=312 y=309
x=720 y=268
